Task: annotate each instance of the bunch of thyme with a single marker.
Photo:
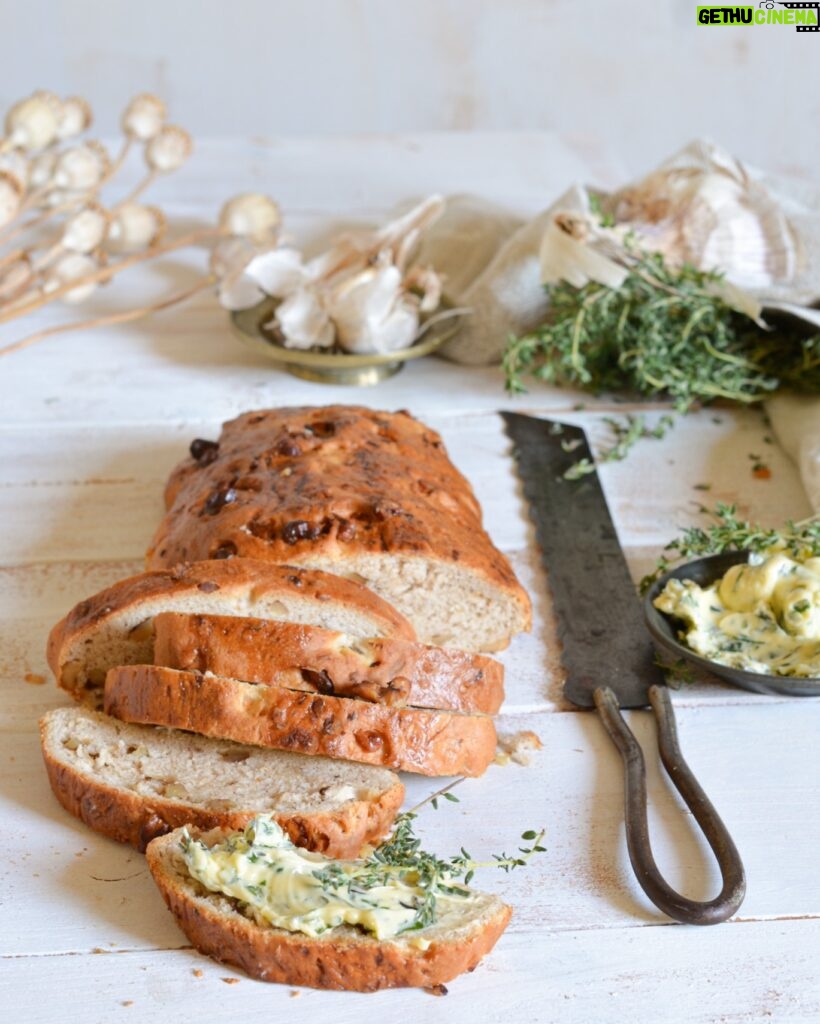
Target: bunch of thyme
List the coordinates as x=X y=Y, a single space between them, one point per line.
x=727 y=532
x=665 y=333
x=402 y=857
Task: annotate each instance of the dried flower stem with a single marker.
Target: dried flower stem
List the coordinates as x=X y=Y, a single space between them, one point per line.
x=113 y=318
x=21 y=308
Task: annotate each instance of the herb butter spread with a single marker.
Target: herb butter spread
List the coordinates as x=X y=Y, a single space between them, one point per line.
x=288 y=887
x=763 y=616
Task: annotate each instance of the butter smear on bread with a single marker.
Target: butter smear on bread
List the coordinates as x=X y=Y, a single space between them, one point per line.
x=291 y=888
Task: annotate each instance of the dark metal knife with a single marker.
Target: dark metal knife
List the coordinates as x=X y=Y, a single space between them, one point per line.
x=607 y=651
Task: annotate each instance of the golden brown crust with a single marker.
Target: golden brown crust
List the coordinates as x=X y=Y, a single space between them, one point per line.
x=223 y=579
x=337 y=482
x=384 y=671
x=406 y=739
x=356 y=963
x=137 y=819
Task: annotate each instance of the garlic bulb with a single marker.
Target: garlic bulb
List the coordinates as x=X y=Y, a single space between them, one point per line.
x=168 y=149
x=72 y=267
x=82 y=167
x=11 y=195
x=85 y=231
x=32 y=123
x=303 y=322
x=371 y=313
x=134 y=227
x=251 y=215
x=703 y=207
x=74 y=117
x=144 y=117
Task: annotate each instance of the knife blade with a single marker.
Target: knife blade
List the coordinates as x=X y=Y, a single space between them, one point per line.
x=606 y=648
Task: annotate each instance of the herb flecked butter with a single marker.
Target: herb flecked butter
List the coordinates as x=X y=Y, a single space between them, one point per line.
x=763 y=616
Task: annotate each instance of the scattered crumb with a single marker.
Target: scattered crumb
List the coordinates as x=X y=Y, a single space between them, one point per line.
x=702 y=487
x=127 y=1002
x=295 y=993
x=230 y=981
x=98 y=949
x=518 y=747
x=34 y=678
x=436 y=990
x=197 y=973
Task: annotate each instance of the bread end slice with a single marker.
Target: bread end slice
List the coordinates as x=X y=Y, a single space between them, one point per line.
x=133 y=783
x=344 y=958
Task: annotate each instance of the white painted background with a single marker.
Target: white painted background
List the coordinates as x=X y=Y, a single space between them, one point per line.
x=638 y=75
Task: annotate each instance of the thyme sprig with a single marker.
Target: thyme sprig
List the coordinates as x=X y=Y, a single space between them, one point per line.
x=401 y=857
x=727 y=532
x=667 y=333
x=625 y=435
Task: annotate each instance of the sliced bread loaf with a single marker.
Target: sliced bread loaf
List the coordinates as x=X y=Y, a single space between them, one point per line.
x=115 y=626
x=340 y=958
x=369 y=495
x=133 y=783
x=408 y=739
x=384 y=671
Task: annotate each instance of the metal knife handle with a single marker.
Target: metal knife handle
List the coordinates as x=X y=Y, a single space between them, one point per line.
x=637 y=831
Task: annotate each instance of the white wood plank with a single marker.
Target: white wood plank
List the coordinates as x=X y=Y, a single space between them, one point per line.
x=734 y=974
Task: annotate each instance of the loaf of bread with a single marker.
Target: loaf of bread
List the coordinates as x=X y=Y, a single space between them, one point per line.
x=133 y=783
x=368 y=495
x=384 y=671
x=407 y=739
x=341 y=958
x=115 y=626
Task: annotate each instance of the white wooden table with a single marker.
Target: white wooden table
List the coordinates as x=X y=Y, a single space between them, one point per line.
x=89 y=427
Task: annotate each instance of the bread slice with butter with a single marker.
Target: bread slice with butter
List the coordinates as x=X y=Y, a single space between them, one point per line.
x=238 y=931
x=133 y=783
x=429 y=742
x=382 y=670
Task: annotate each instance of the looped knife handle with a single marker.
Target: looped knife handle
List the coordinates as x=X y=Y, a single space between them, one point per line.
x=637 y=830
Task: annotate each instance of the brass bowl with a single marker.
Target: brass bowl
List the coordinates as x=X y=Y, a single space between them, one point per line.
x=330 y=367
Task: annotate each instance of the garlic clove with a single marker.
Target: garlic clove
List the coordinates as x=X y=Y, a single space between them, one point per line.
x=74 y=118
x=73 y=266
x=168 y=149
x=278 y=272
x=251 y=215
x=11 y=196
x=303 y=322
x=81 y=167
x=371 y=313
x=32 y=123
x=85 y=231
x=134 y=227
x=427 y=284
x=144 y=117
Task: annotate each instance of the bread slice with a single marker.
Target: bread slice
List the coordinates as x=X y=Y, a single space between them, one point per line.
x=341 y=958
x=384 y=671
x=115 y=627
x=366 y=494
x=133 y=783
x=407 y=739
